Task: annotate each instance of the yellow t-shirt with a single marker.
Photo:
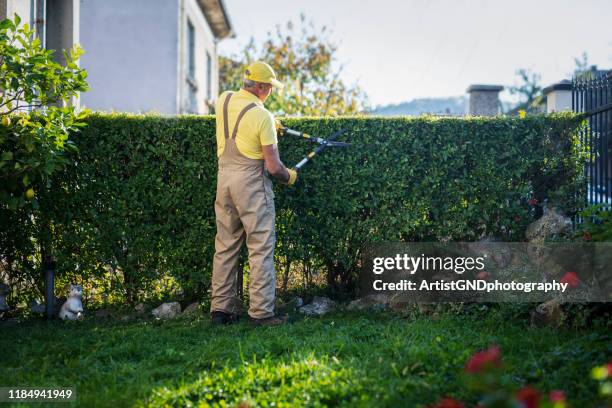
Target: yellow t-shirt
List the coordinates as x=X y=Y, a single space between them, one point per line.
x=257 y=127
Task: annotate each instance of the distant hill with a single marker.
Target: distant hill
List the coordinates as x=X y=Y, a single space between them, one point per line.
x=454 y=105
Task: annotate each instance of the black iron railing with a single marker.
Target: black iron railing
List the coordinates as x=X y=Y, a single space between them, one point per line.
x=592 y=96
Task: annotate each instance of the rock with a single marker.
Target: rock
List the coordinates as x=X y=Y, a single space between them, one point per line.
x=380 y=307
x=357 y=304
x=293 y=304
x=548 y=314
x=545 y=258
x=319 y=306
x=375 y=302
x=192 y=309
x=167 y=310
x=491 y=247
x=290 y=306
x=140 y=308
x=552 y=224
x=401 y=302
x=485 y=238
x=128 y=317
x=425 y=308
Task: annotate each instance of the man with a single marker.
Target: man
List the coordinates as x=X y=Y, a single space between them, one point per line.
x=244 y=207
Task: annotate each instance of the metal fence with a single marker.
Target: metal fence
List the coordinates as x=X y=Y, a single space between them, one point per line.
x=592 y=95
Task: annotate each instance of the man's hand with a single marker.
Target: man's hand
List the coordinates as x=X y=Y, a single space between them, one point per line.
x=280 y=129
x=275 y=167
x=293 y=175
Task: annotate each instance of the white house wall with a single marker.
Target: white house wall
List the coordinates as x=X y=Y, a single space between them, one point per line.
x=559 y=101
x=20 y=7
x=131 y=52
x=204 y=42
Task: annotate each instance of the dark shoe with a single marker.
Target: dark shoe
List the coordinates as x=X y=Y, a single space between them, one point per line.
x=219 y=318
x=268 y=321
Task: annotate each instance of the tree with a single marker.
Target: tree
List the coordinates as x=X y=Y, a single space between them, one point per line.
x=303 y=58
x=529 y=91
x=582 y=68
x=34 y=109
x=36 y=120
x=582 y=64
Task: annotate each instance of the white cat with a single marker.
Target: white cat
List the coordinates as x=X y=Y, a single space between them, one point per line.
x=72 y=309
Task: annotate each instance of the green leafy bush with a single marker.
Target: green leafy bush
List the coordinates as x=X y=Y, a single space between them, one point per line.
x=423 y=179
x=597 y=223
x=35 y=123
x=136 y=204
x=33 y=141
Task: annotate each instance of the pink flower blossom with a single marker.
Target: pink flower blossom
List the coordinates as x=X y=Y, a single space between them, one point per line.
x=571 y=278
x=528 y=396
x=557 y=396
x=484 y=360
x=447 y=403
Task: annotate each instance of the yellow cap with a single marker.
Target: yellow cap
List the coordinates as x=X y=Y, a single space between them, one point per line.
x=261 y=72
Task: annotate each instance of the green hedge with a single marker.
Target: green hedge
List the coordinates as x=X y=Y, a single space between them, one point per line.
x=136 y=204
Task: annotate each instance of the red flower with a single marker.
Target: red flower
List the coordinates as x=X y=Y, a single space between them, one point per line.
x=609 y=367
x=532 y=202
x=484 y=360
x=528 y=396
x=557 y=396
x=571 y=278
x=447 y=403
x=586 y=236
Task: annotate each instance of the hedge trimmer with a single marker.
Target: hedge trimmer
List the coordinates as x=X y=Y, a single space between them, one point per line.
x=323 y=143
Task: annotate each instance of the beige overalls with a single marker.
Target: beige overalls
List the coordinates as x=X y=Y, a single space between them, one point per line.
x=244 y=208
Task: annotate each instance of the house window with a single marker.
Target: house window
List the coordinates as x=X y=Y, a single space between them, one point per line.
x=191 y=102
x=208 y=77
x=191 y=49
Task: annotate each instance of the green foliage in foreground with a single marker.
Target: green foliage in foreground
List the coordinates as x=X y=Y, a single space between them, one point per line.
x=342 y=359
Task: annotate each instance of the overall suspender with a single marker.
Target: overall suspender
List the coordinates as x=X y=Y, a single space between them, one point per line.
x=240 y=115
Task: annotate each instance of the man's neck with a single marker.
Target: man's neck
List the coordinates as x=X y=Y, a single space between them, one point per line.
x=250 y=91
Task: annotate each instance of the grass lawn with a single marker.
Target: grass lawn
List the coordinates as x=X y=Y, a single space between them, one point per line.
x=374 y=359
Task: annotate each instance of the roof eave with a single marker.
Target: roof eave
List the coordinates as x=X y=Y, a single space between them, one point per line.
x=217 y=18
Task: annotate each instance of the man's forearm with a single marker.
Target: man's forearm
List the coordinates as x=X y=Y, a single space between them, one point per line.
x=275 y=166
x=280 y=173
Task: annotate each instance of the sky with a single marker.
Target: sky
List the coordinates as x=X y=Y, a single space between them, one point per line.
x=398 y=50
